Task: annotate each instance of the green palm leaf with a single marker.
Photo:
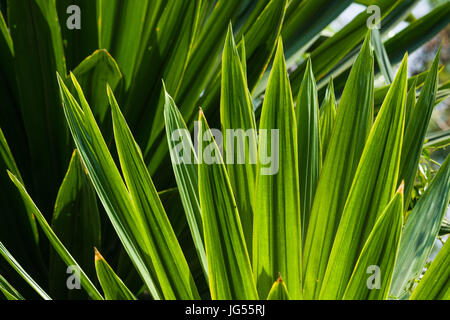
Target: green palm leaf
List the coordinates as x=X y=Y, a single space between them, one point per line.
x=230 y=273
x=112 y=285
x=277 y=227
x=373 y=186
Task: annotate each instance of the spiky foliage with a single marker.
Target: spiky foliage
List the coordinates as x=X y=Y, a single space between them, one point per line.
x=335 y=208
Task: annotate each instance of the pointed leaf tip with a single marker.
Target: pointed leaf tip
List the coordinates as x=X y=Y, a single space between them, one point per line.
x=98 y=256
x=401 y=188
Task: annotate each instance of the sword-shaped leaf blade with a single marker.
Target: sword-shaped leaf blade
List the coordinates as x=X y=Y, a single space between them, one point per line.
x=277 y=225
x=373 y=186
x=230 y=273
x=113 y=287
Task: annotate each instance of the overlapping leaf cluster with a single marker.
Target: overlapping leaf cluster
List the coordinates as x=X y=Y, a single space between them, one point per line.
x=334 y=209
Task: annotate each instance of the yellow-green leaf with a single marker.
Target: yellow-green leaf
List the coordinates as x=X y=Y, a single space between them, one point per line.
x=309 y=158
x=230 y=273
x=185 y=169
x=373 y=186
x=372 y=276
x=170 y=266
x=113 y=287
x=279 y=291
x=239 y=129
x=327 y=118
x=354 y=115
x=435 y=284
x=277 y=226
x=420 y=232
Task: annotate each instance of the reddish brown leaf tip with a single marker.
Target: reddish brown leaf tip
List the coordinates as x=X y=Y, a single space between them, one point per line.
x=402 y=187
x=279 y=279
x=98 y=256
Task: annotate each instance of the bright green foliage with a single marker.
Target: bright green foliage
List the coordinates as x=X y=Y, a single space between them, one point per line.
x=236 y=112
x=230 y=274
x=277 y=227
x=373 y=186
x=343 y=154
x=435 y=285
x=122 y=94
x=380 y=250
x=327 y=118
x=278 y=291
x=8 y=290
x=76 y=221
x=186 y=175
x=417 y=241
x=309 y=157
x=417 y=126
x=112 y=285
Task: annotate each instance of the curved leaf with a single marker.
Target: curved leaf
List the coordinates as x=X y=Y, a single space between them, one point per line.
x=309 y=157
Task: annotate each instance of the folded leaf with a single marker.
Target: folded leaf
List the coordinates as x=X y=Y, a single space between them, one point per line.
x=327 y=118
x=372 y=276
x=420 y=232
x=239 y=129
x=277 y=226
x=54 y=240
x=382 y=57
x=129 y=221
x=344 y=150
x=309 y=157
x=113 y=287
x=76 y=221
x=410 y=103
x=230 y=273
x=278 y=291
x=171 y=268
x=373 y=186
x=186 y=175
x=417 y=129
x=435 y=284
x=93 y=73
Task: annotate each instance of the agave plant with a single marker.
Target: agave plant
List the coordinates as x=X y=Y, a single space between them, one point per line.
x=333 y=221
